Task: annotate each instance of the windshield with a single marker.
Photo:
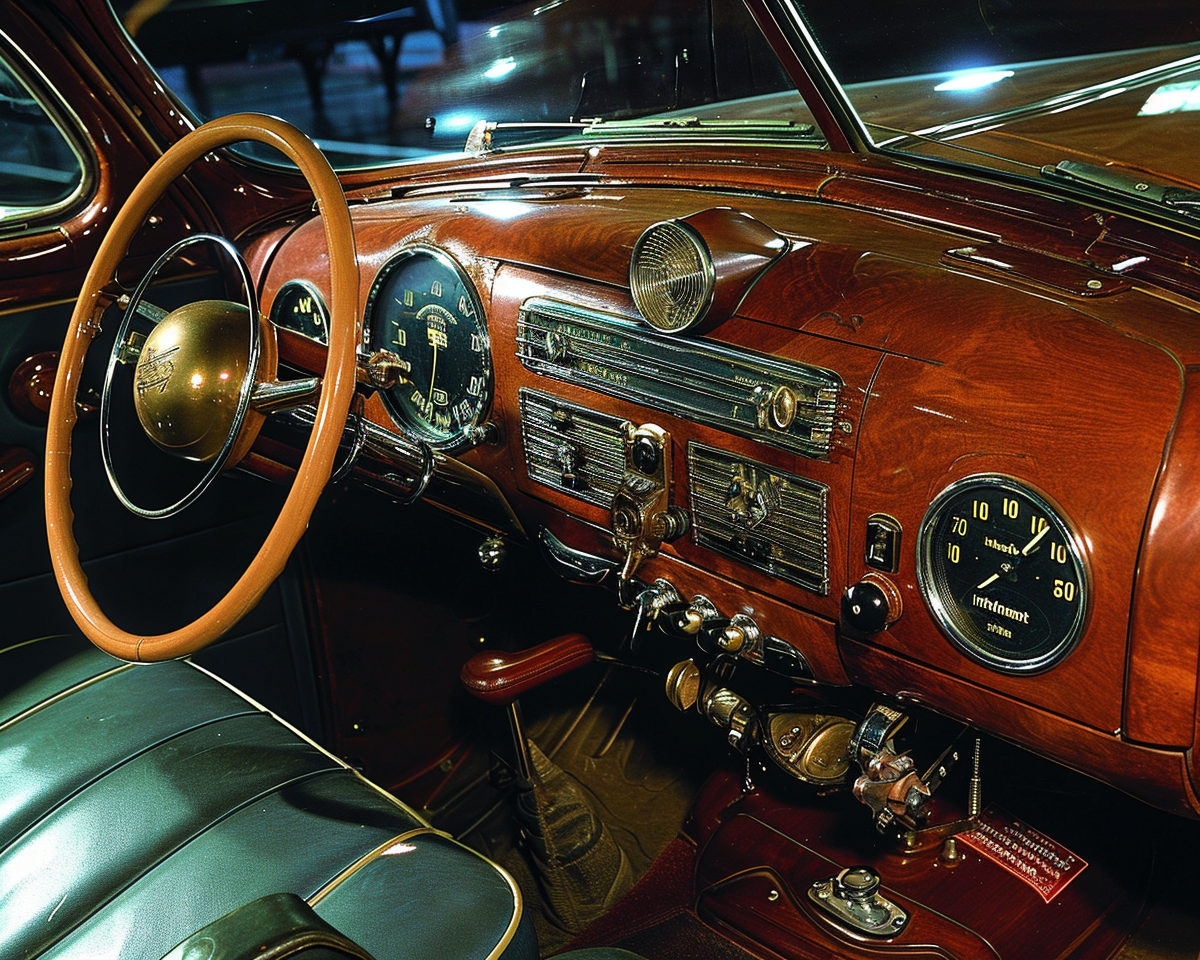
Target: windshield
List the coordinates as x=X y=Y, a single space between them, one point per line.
x=1021 y=85
x=374 y=82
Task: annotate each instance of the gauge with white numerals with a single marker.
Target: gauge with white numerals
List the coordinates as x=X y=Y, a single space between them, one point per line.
x=1003 y=573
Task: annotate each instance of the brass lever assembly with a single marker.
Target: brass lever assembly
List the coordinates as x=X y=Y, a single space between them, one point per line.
x=642 y=515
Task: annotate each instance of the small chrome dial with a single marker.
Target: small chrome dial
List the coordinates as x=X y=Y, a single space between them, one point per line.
x=299 y=307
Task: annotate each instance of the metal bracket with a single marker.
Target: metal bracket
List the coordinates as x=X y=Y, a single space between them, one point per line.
x=852 y=898
x=642 y=516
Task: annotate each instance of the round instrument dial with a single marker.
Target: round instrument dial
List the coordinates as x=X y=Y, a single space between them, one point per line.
x=425 y=309
x=299 y=307
x=1003 y=574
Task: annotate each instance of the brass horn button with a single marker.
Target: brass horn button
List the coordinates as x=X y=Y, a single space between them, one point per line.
x=189 y=377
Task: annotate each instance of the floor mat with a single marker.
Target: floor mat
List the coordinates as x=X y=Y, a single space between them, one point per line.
x=638 y=761
x=680 y=937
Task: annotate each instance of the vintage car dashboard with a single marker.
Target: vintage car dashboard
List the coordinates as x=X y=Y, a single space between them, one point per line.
x=933 y=419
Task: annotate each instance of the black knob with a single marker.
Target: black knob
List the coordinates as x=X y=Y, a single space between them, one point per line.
x=678 y=619
x=646 y=455
x=865 y=608
x=712 y=633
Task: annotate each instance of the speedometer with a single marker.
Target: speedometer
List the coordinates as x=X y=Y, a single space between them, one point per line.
x=1003 y=574
x=423 y=307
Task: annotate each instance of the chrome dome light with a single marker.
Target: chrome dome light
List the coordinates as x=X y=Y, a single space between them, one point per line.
x=672 y=276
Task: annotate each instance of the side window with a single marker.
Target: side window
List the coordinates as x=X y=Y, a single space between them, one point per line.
x=41 y=171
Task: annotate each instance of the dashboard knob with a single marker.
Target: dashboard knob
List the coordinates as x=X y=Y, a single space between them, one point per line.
x=860 y=884
x=783 y=407
x=492 y=553
x=686 y=619
x=718 y=635
x=867 y=608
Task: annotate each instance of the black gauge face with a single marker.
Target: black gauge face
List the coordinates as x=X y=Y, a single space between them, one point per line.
x=1003 y=574
x=423 y=308
x=300 y=308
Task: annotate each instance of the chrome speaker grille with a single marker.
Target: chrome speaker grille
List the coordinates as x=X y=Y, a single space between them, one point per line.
x=571 y=448
x=766 y=518
x=671 y=275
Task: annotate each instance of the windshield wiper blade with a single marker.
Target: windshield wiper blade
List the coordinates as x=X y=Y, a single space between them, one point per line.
x=1114 y=179
x=720 y=127
x=484 y=134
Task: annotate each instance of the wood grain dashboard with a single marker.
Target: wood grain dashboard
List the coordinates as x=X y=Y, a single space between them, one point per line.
x=968 y=343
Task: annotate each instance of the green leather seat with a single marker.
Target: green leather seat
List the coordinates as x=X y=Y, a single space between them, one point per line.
x=139 y=804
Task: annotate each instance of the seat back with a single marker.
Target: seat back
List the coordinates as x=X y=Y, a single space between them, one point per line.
x=139 y=803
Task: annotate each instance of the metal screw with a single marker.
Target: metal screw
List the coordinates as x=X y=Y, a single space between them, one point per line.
x=773 y=895
x=1141 y=186
x=1095 y=284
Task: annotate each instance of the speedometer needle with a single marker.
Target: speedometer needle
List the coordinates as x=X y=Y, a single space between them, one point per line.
x=1034 y=542
x=990 y=580
x=432 y=379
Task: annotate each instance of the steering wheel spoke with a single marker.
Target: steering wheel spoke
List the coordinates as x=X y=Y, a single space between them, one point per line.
x=279 y=396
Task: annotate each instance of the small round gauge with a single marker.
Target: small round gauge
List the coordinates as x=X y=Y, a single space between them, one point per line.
x=299 y=307
x=1003 y=574
x=423 y=308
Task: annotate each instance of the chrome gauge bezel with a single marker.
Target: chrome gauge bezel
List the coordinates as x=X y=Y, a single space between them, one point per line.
x=466 y=432
x=949 y=613
x=308 y=289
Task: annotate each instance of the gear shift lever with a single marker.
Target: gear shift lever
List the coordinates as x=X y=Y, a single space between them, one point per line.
x=500 y=678
x=581 y=867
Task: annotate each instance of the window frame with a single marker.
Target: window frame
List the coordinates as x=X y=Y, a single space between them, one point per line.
x=24 y=220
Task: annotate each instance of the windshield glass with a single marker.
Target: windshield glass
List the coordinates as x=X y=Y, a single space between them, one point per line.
x=1023 y=84
x=374 y=82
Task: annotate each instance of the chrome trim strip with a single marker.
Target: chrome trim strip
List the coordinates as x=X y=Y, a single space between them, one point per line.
x=371 y=857
x=62 y=694
x=697 y=379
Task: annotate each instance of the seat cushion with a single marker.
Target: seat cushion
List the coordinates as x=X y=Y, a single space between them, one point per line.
x=141 y=803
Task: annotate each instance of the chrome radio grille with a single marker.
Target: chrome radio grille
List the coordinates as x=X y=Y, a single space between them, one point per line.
x=787 y=405
x=571 y=448
x=771 y=520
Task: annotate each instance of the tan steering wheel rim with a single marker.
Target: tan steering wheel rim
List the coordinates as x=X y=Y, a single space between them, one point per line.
x=332 y=408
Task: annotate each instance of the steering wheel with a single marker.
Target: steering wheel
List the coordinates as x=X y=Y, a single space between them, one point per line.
x=337 y=390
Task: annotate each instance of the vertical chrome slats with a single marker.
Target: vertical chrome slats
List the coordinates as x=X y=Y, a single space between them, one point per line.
x=592 y=440
x=790 y=542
